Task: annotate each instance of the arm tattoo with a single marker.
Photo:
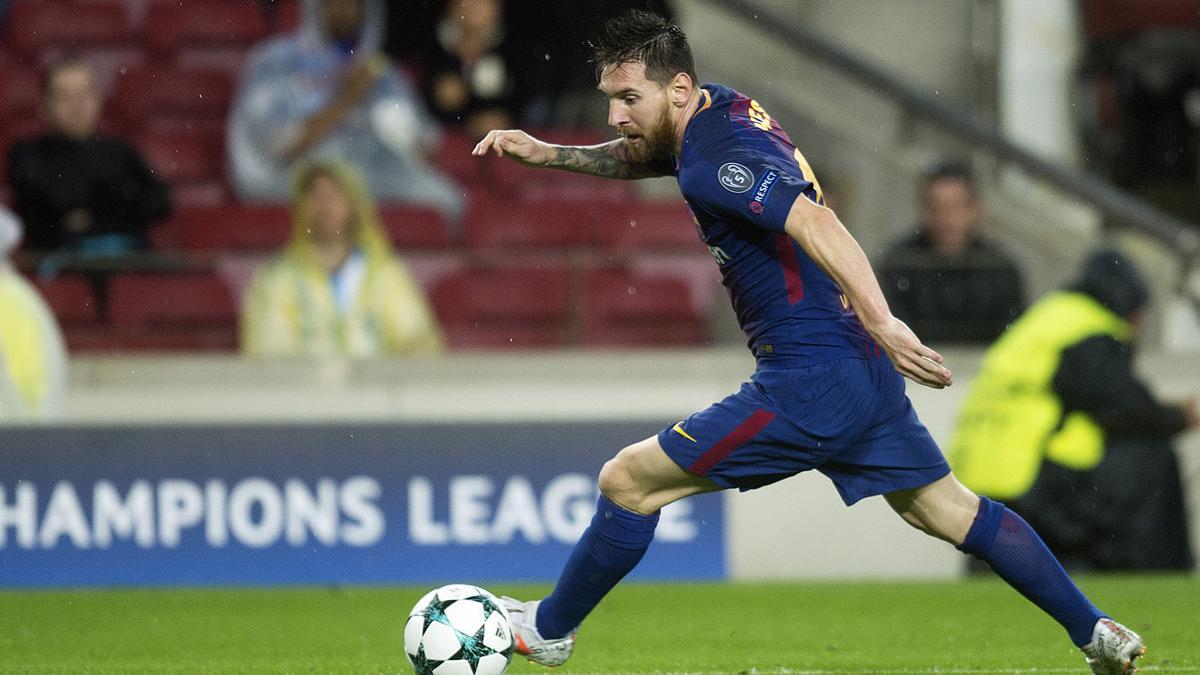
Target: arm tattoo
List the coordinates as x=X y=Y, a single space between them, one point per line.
x=609 y=160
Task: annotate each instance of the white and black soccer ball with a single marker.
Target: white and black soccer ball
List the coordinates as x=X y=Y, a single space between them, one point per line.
x=458 y=630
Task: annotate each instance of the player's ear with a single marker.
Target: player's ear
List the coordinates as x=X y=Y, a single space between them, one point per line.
x=681 y=89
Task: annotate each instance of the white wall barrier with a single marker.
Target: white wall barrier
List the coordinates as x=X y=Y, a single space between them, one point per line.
x=796 y=528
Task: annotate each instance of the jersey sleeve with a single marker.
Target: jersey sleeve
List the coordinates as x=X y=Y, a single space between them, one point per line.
x=752 y=184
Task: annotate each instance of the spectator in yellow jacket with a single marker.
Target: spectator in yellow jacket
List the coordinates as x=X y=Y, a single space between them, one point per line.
x=337 y=289
x=33 y=369
x=1059 y=426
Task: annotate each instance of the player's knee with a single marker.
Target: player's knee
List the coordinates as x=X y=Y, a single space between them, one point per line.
x=918 y=523
x=948 y=522
x=617 y=482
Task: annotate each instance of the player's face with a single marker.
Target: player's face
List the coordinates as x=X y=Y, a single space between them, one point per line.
x=640 y=110
x=332 y=214
x=72 y=103
x=949 y=211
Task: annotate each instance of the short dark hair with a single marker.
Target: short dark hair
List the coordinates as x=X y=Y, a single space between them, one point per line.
x=647 y=38
x=950 y=169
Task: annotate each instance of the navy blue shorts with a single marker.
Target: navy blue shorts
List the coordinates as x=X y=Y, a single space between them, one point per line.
x=848 y=418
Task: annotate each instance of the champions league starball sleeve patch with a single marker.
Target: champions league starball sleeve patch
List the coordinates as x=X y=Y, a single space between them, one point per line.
x=735 y=177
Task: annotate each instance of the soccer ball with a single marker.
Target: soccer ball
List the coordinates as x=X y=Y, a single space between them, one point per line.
x=458 y=630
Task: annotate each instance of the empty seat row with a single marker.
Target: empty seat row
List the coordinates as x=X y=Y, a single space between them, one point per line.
x=496 y=307
x=563 y=223
x=140 y=311
x=142 y=98
x=491 y=225
x=168 y=26
x=268 y=227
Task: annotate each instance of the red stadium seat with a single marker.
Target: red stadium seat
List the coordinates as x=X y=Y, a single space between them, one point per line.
x=172 y=99
x=1106 y=19
x=22 y=95
x=414 y=226
x=630 y=309
x=498 y=224
x=71 y=298
x=38 y=25
x=268 y=227
x=505 y=307
x=151 y=298
x=172 y=311
x=235 y=228
x=455 y=159
x=599 y=192
x=173 y=26
x=575 y=136
x=646 y=226
x=287 y=16
x=183 y=156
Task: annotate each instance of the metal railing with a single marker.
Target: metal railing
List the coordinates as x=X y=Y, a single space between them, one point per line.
x=1118 y=205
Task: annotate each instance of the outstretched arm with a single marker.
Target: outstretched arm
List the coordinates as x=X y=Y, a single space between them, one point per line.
x=826 y=241
x=609 y=160
x=354 y=88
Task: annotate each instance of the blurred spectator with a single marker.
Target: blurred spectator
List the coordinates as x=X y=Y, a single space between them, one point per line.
x=328 y=91
x=468 y=82
x=946 y=281
x=544 y=47
x=412 y=34
x=1058 y=425
x=555 y=58
x=74 y=188
x=33 y=359
x=337 y=289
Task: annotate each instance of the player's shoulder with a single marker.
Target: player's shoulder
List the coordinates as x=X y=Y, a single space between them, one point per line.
x=740 y=112
x=728 y=120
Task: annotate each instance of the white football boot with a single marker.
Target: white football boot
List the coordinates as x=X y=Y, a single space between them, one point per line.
x=1113 y=649
x=523 y=617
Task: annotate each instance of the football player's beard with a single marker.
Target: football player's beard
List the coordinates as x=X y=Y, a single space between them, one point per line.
x=659 y=142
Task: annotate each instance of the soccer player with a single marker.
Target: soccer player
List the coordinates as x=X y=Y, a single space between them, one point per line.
x=826 y=393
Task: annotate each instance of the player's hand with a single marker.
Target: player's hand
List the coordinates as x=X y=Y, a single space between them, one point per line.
x=911 y=358
x=516 y=144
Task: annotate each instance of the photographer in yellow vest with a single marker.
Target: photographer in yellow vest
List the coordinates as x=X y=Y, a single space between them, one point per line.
x=1058 y=426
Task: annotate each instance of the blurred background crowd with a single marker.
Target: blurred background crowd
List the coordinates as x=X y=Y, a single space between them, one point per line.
x=293 y=178
x=154 y=152
x=152 y=147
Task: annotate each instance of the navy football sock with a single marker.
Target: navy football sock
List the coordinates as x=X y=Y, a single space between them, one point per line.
x=613 y=544
x=1017 y=554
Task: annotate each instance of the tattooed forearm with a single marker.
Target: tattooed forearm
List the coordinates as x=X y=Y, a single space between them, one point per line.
x=596 y=160
x=609 y=160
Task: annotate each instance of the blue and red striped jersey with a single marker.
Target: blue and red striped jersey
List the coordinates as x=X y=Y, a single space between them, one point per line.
x=740 y=174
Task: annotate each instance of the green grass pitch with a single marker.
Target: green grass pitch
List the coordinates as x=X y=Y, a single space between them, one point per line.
x=972 y=626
